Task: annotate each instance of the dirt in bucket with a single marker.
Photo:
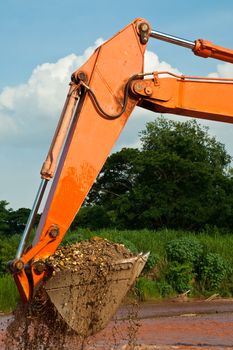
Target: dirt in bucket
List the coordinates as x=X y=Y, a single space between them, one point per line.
x=38 y=324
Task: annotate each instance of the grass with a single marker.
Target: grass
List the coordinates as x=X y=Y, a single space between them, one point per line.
x=152 y=285
x=213 y=241
x=144 y=240
x=9 y=295
x=155 y=241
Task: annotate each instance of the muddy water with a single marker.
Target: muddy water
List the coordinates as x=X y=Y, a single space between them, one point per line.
x=196 y=325
x=207 y=325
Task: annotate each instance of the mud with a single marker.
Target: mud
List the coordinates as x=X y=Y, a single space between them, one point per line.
x=76 y=296
x=172 y=325
x=162 y=326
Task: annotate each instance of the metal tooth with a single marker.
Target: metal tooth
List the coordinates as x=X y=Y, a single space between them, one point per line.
x=146 y=255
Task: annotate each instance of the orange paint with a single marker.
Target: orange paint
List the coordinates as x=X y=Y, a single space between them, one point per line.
x=92 y=136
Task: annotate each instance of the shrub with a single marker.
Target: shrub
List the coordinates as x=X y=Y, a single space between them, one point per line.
x=180 y=276
x=165 y=289
x=213 y=270
x=184 y=250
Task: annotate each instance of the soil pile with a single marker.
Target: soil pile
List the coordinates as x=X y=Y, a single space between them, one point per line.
x=80 y=256
x=39 y=325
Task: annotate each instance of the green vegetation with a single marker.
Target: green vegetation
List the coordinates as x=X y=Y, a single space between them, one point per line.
x=179 y=261
x=13 y=221
x=173 y=197
x=8 y=247
x=9 y=295
x=179 y=179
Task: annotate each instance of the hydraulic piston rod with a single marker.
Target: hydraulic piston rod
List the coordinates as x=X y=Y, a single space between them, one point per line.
x=172 y=39
x=200 y=47
x=31 y=218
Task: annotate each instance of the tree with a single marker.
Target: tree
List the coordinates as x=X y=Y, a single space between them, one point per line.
x=13 y=221
x=92 y=217
x=18 y=220
x=116 y=177
x=188 y=140
x=179 y=179
x=4 y=218
x=190 y=183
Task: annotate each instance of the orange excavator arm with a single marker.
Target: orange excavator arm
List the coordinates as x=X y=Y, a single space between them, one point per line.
x=198 y=97
x=102 y=95
x=86 y=136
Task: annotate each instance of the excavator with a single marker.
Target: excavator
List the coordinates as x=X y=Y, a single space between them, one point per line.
x=102 y=94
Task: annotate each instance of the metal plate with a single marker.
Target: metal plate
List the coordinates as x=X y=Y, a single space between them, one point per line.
x=87 y=300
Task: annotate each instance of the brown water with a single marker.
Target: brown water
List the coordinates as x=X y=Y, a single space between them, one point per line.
x=173 y=325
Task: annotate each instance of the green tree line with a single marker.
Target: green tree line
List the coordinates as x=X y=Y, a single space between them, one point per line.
x=13 y=221
x=179 y=179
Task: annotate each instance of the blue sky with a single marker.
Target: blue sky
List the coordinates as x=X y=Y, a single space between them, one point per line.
x=33 y=33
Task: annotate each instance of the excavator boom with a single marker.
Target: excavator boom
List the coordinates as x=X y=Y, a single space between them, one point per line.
x=102 y=95
x=198 y=97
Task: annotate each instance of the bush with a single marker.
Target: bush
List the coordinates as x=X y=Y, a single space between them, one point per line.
x=184 y=250
x=180 y=276
x=165 y=289
x=213 y=270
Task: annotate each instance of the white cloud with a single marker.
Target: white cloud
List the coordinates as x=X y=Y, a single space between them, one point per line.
x=28 y=111
x=224 y=70
x=28 y=114
x=152 y=64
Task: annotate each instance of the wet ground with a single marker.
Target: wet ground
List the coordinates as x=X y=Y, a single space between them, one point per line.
x=174 y=325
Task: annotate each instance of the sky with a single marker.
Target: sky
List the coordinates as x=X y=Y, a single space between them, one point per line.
x=43 y=42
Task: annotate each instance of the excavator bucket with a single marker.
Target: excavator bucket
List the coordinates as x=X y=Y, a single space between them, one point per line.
x=87 y=299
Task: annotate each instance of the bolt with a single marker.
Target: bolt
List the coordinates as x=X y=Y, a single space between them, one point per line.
x=144 y=27
x=82 y=76
x=39 y=267
x=148 y=90
x=76 y=77
x=53 y=231
x=138 y=87
x=18 y=265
